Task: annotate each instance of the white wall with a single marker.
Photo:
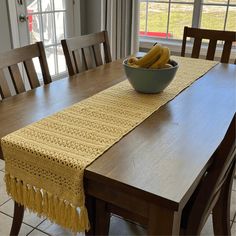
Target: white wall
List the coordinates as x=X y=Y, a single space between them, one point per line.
x=90 y=16
x=5 y=38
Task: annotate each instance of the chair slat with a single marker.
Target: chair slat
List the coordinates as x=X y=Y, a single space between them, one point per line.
x=107 y=50
x=4 y=89
x=211 y=50
x=79 y=65
x=31 y=73
x=88 y=57
x=70 y=57
x=82 y=64
x=44 y=65
x=16 y=78
x=97 y=55
x=184 y=42
x=226 y=52
x=84 y=59
x=196 y=47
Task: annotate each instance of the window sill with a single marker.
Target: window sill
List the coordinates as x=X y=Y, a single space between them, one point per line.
x=145 y=43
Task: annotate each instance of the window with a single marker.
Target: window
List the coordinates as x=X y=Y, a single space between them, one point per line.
x=167 y=18
x=46 y=22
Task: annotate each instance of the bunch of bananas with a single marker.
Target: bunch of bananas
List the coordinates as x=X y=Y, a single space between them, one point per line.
x=157 y=58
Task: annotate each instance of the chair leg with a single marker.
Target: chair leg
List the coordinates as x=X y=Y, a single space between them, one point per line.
x=102 y=218
x=220 y=216
x=17 y=219
x=221 y=211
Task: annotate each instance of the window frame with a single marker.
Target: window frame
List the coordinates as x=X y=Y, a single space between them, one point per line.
x=175 y=44
x=197 y=12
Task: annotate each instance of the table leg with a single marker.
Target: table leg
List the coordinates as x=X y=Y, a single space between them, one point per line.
x=163 y=221
x=17 y=219
x=90 y=205
x=102 y=218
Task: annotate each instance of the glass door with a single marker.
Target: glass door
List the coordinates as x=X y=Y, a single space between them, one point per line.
x=48 y=21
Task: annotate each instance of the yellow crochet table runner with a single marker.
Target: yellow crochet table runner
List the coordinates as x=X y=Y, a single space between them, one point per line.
x=45 y=161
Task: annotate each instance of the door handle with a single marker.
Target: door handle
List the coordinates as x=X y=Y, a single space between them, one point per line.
x=23 y=18
x=20 y=2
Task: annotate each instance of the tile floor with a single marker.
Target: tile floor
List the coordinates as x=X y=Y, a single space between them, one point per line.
x=35 y=226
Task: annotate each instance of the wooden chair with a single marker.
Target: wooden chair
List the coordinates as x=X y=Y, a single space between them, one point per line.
x=10 y=60
x=213 y=36
x=83 y=52
x=212 y=194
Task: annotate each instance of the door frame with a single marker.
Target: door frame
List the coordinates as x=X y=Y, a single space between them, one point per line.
x=14 y=30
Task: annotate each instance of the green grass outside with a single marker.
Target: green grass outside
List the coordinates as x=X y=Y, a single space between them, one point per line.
x=157 y=21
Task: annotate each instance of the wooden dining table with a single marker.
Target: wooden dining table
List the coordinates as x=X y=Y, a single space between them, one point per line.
x=152 y=171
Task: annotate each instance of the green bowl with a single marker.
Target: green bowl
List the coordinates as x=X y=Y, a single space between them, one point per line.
x=150 y=80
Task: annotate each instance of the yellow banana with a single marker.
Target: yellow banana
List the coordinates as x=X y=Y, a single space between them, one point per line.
x=132 y=61
x=166 y=66
x=153 y=54
x=134 y=66
x=164 y=58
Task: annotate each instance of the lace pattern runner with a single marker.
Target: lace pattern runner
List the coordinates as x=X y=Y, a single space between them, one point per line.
x=45 y=161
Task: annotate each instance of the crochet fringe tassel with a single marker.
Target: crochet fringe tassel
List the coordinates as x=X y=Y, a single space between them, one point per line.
x=45 y=204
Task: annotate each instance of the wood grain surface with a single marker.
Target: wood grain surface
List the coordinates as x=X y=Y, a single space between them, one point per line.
x=151 y=172
x=166 y=154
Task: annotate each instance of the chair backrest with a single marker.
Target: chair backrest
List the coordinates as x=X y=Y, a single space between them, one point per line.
x=83 y=52
x=24 y=55
x=214 y=183
x=228 y=37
